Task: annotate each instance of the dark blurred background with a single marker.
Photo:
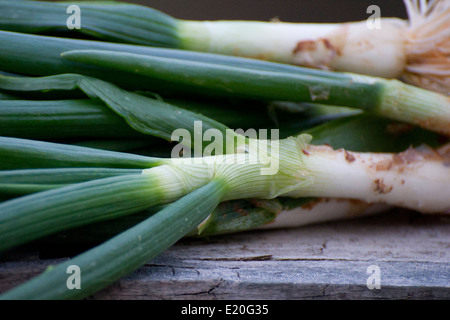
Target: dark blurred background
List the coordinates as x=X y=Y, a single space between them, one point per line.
x=284 y=10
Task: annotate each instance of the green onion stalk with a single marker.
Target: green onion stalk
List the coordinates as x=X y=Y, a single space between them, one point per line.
x=415 y=50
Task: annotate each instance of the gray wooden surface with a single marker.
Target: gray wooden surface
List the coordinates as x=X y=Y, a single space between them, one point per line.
x=323 y=261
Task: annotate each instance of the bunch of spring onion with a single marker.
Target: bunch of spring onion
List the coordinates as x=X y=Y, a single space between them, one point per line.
x=361 y=154
x=416 y=50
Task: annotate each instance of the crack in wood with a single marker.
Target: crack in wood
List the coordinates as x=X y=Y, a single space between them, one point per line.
x=208 y=292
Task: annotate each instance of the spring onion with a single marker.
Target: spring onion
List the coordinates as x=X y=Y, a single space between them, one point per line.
x=377 y=145
x=415 y=179
x=38 y=154
x=415 y=50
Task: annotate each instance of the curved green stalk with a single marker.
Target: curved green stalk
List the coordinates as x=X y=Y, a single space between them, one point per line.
x=103 y=265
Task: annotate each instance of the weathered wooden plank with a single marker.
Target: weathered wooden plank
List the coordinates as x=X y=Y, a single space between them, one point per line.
x=393 y=236
x=323 y=261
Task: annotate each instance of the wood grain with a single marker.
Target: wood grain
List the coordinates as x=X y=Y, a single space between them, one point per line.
x=323 y=261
